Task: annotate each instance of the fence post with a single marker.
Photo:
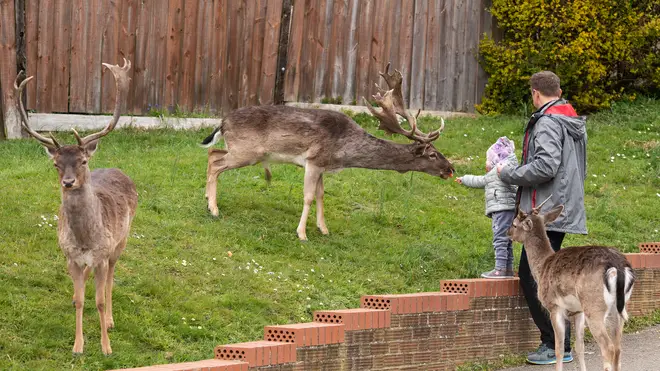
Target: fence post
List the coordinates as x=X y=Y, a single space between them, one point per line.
x=283 y=48
x=11 y=122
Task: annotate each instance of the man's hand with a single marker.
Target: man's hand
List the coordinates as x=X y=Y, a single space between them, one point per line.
x=459 y=180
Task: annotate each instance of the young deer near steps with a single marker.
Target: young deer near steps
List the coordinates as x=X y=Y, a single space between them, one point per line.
x=592 y=282
x=321 y=141
x=96 y=212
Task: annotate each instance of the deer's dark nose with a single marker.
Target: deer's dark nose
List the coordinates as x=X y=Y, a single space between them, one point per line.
x=68 y=183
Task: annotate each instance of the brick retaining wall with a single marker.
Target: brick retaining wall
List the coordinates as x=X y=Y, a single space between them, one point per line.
x=468 y=320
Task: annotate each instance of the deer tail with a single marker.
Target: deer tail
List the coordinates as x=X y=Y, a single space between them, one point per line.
x=212 y=138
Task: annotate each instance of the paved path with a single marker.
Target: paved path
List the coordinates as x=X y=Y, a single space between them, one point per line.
x=641 y=352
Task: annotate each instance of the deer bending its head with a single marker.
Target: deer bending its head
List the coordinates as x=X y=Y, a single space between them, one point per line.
x=96 y=211
x=589 y=282
x=321 y=141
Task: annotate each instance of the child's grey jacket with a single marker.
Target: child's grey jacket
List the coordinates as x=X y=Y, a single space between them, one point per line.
x=499 y=195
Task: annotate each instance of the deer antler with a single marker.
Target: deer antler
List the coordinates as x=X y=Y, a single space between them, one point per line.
x=122 y=80
x=392 y=104
x=50 y=142
x=537 y=209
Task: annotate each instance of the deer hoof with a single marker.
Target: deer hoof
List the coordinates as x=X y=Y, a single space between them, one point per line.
x=214 y=211
x=324 y=230
x=302 y=236
x=107 y=351
x=110 y=323
x=78 y=348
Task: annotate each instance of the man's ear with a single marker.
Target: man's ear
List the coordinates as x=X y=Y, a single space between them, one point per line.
x=50 y=151
x=90 y=147
x=527 y=225
x=553 y=214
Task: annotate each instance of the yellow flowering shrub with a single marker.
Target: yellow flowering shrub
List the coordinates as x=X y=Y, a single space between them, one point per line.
x=602 y=50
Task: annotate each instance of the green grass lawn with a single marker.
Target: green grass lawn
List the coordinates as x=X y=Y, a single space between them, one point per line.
x=178 y=293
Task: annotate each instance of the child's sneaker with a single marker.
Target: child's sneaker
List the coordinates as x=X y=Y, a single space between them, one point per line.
x=497 y=273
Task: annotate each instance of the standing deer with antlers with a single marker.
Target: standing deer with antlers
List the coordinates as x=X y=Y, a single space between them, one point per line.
x=96 y=211
x=321 y=141
x=591 y=283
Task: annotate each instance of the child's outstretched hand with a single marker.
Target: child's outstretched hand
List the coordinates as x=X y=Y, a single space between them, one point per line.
x=459 y=180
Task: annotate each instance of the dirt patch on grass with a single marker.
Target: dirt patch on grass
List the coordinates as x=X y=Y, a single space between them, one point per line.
x=645 y=145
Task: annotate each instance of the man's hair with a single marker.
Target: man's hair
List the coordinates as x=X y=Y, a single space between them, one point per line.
x=546 y=82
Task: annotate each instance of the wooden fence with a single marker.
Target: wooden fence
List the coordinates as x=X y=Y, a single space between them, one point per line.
x=217 y=55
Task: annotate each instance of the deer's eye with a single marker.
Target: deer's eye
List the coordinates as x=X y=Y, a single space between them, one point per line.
x=434 y=156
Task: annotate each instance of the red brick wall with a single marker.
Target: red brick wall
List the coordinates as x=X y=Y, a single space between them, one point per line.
x=468 y=320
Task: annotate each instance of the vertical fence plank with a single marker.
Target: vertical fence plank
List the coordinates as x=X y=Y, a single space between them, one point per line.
x=80 y=17
x=139 y=104
x=404 y=35
x=219 y=56
x=127 y=40
x=45 y=56
x=336 y=70
x=365 y=30
x=450 y=44
x=245 y=51
x=433 y=53
x=157 y=44
x=61 y=51
x=418 y=55
x=93 y=57
x=31 y=27
x=473 y=30
x=109 y=53
x=173 y=53
x=350 y=53
x=237 y=14
x=294 y=54
x=270 y=47
x=8 y=71
x=202 y=70
x=306 y=85
x=377 y=47
x=258 y=44
x=321 y=52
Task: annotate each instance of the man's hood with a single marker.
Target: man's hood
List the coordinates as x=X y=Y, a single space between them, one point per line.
x=575 y=126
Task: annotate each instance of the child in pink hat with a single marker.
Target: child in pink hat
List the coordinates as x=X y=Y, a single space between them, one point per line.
x=500 y=204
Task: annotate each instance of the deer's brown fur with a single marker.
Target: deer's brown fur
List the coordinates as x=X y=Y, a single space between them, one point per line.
x=95 y=215
x=591 y=283
x=320 y=141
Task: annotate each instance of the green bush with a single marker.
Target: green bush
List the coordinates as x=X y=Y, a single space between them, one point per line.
x=603 y=51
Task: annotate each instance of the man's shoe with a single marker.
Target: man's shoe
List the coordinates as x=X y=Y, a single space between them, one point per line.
x=546 y=356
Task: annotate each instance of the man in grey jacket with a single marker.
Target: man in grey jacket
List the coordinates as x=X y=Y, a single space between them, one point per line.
x=553 y=166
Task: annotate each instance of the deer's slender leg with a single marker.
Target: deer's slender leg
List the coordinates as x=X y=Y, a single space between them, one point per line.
x=596 y=323
x=219 y=161
x=558 y=324
x=579 y=340
x=77 y=276
x=312 y=175
x=86 y=273
x=320 y=218
x=100 y=279
x=269 y=175
x=617 y=329
x=109 y=283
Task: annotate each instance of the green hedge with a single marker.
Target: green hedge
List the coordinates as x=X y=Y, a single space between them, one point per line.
x=603 y=50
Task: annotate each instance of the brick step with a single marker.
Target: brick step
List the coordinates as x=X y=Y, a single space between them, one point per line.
x=356 y=319
x=480 y=287
x=644 y=260
x=306 y=334
x=258 y=353
x=417 y=303
x=205 y=365
x=649 y=247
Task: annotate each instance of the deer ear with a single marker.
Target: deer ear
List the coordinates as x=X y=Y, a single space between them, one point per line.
x=50 y=151
x=527 y=225
x=90 y=147
x=553 y=214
